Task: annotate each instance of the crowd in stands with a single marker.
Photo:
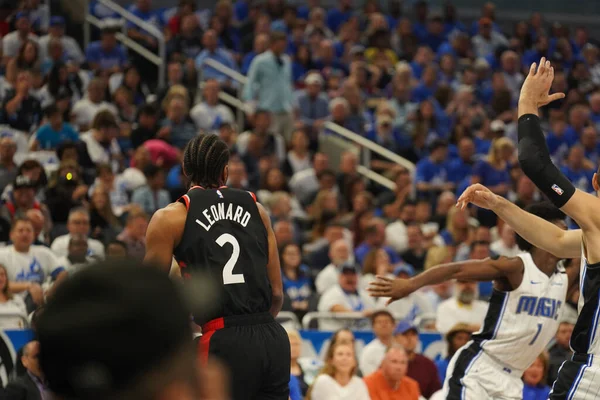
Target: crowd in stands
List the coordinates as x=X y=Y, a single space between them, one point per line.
x=91 y=144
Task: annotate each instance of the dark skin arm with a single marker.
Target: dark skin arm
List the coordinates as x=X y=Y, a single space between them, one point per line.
x=572 y=268
x=273 y=266
x=164 y=234
x=506 y=272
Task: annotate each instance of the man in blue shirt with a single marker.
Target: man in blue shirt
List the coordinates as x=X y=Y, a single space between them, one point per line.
x=336 y=17
x=261 y=44
x=431 y=175
x=143 y=10
x=55 y=132
x=106 y=56
x=313 y=105
x=374 y=239
x=435 y=33
x=462 y=167
x=576 y=172
x=213 y=52
x=270 y=85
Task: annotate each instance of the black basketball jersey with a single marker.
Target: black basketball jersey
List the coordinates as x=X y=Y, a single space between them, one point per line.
x=225 y=241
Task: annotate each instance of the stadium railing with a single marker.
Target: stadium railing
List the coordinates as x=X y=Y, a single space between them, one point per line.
x=288 y=318
x=309 y=319
x=361 y=142
x=157 y=59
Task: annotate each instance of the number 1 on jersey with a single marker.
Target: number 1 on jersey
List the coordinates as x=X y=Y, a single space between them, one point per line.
x=229 y=278
x=539 y=329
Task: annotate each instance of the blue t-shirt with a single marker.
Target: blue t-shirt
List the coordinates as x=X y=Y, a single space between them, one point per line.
x=581 y=178
x=299 y=289
x=336 y=18
x=151 y=17
x=295 y=392
x=422 y=93
x=482 y=146
x=442 y=367
x=107 y=60
x=49 y=139
x=536 y=392
x=489 y=175
x=361 y=252
x=459 y=170
x=430 y=172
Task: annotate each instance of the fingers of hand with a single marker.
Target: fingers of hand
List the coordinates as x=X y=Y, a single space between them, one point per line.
x=532 y=69
x=382 y=278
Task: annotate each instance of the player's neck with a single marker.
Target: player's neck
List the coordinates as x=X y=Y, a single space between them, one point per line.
x=544 y=261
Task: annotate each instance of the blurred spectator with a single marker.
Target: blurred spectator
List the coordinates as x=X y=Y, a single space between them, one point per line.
x=37 y=219
x=66 y=191
x=134 y=234
x=176 y=127
x=462 y=308
x=152 y=196
x=147 y=126
x=487 y=41
x=272 y=143
x=12 y=42
x=560 y=351
x=372 y=355
x=339 y=254
x=511 y=68
x=29 y=266
x=337 y=379
x=87 y=109
x=27 y=59
x=589 y=141
x=506 y=245
x=8 y=168
x=420 y=368
x=10 y=304
x=343 y=298
x=261 y=44
x=375 y=238
x=296 y=284
x=313 y=103
x=100 y=140
x=114 y=186
x=416 y=253
x=526 y=193
x=295 y=352
x=576 y=171
x=187 y=44
x=431 y=176
x=376 y=263
x=64 y=87
x=457 y=337
x=116 y=249
x=50 y=135
x=32 y=384
x=461 y=168
x=298 y=157
x=106 y=56
x=21 y=199
x=212 y=51
x=390 y=381
x=209 y=115
x=305 y=184
x=396 y=234
x=72 y=51
x=534 y=379
x=20 y=109
x=270 y=85
x=103 y=222
x=78 y=254
x=78 y=224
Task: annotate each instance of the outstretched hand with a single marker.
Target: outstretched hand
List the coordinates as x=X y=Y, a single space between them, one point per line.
x=478 y=195
x=394 y=288
x=536 y=88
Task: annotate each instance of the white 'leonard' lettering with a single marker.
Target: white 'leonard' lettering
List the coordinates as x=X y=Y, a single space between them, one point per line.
x=217 y=213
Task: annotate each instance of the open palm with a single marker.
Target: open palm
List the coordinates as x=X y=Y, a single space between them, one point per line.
x=537 y=85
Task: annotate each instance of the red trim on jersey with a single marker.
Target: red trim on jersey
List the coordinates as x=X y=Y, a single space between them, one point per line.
x=208 y=330
x=200 y=187
x=253 y=196
x=186 y=200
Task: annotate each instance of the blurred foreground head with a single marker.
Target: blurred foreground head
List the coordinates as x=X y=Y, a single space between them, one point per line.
x=118 y=331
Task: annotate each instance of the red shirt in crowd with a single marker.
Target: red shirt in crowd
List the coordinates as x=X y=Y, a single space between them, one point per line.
x=424 y=371
x=379 y=388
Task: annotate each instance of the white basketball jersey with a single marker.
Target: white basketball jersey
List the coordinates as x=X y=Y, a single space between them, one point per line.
x=584 y=339
x=520 y=324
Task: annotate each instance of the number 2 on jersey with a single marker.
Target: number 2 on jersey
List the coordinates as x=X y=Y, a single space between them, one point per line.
x=229 y=278
x=539 y=329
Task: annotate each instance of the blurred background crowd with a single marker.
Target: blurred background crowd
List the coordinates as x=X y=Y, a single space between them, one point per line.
x=308 y=97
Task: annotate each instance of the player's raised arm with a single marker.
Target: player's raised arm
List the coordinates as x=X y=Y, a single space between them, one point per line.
x=534 y=156
x=537 y=231
x=475 y=270
x=273 y=267
x=163 y=234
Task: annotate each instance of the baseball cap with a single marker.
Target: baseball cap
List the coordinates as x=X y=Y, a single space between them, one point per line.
x=22 y=181
x=497 y=125
x=313 y=78
x=405 y=326
x=57 y=21
x=404 y=268
x=21 y=14
x=460 y=327
x=108 y=325
x=349 y=267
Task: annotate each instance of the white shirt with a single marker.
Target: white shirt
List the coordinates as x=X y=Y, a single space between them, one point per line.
x=60 y=247
x=16 y=305
x=36 y=265
x=327 y=278
x=450 y=313
x=70 y=47
x=500 y=248
x=304 y=183
x=205 y=116
x=85 y=111
x=11 y=43
x=411 y=306
x=371 y=357
x=396 y=236
x=73 y=268
x=132 y=178
x=97 y=153
x=326 y=388
x=357 y=302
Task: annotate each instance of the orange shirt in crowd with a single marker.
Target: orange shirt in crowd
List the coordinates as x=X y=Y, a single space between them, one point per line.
x=379 y=389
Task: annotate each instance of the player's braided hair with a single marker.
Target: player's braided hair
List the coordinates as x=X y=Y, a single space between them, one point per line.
x=204 y=160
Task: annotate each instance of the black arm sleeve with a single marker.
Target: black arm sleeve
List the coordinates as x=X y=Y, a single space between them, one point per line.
x=535 y=161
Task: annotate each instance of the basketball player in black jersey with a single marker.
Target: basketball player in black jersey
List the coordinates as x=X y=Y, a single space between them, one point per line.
x=225 y=235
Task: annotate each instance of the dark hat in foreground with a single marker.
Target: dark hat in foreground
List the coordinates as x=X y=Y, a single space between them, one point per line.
x=107 y=326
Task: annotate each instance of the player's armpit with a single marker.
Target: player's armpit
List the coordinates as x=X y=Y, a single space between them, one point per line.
x=163 y=235
x=273 y=266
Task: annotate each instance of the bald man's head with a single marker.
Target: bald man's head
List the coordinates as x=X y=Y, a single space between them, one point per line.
x=339 y=252
x=395 y=363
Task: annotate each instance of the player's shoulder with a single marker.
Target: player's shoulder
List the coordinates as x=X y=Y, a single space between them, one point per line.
x=174 y=213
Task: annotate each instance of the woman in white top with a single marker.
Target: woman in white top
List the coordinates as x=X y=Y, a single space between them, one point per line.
x=10 y=306
x=337 y=380
x=377 y=262
x=298 y=157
